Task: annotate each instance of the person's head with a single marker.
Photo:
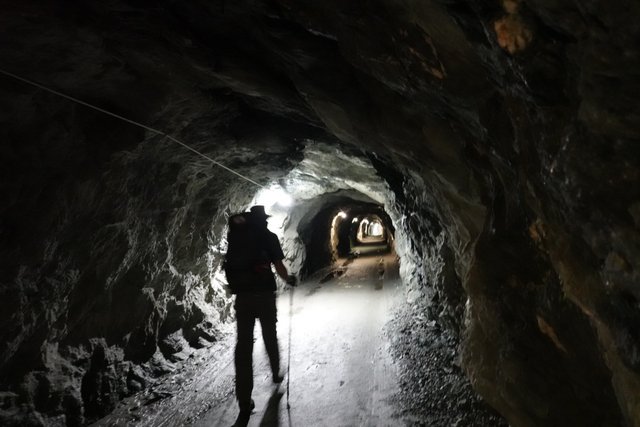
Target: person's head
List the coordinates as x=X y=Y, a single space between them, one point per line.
x=259 y=216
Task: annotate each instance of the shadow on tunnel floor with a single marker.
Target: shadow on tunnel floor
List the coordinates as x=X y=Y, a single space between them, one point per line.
x=271 y=416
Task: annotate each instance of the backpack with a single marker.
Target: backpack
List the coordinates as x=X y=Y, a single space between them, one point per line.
x=244 y=263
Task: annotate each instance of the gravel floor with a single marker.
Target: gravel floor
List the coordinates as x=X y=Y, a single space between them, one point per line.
x=434 y=389
x=431 y=388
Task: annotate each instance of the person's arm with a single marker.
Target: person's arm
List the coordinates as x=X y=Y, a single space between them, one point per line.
x=281 y=270
x=277 y=257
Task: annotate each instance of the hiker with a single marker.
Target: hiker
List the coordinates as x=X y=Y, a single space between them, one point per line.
x=252 y=250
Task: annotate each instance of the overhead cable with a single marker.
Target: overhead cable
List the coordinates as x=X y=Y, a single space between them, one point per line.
x=133 y=122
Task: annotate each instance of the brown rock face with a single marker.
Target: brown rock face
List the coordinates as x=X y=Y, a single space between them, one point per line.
x=504 y=136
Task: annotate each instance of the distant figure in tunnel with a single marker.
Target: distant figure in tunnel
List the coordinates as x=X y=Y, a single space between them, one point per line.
x=252 y=249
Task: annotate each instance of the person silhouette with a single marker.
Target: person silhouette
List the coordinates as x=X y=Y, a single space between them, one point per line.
x=251 y=253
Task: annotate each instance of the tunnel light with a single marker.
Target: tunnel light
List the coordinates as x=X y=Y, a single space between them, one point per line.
x=376 y=229
x=273 y=196
x=354 y=220
x=342 y=215
x=284 y=199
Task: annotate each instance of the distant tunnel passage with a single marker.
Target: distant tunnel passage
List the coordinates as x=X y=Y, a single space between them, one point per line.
x=344 y=229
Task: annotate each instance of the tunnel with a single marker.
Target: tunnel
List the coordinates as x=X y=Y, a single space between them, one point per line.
x=465 y=173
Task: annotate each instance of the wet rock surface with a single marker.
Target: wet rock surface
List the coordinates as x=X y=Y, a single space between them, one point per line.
x=185 y=391
x=435 y=390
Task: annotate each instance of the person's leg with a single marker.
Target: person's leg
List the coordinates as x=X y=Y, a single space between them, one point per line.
x=243 y=356
x=268 y=319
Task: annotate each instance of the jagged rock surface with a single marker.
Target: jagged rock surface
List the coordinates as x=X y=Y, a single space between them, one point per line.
x=506 y=132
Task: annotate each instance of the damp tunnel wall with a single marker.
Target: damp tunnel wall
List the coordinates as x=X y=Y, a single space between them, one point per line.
x=504 y=137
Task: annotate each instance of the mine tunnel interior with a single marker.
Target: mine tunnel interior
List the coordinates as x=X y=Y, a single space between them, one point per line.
x=489 y=150
x=368 y=230
x=340 y=229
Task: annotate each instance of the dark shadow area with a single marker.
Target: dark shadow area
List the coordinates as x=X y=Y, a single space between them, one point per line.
x=242 y=420
x=271 y=416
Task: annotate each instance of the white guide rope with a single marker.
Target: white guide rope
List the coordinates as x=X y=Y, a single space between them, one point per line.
x=133 y=122
x=150 y=129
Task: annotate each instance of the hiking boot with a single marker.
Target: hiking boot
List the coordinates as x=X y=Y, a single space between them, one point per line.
x=278 y=378
x=242 y=420
x=246 y=409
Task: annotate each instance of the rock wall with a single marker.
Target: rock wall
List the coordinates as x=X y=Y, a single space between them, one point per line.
x=106 y=266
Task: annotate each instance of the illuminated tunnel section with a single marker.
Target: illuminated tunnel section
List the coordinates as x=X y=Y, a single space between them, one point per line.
x=363 y=230
x=331 y=232
x=367 y=232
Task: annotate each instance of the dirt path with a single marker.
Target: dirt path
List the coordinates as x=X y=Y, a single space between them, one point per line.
x=341 y=370
x=346 y=328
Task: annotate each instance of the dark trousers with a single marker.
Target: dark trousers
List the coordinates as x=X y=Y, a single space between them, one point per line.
x=249 y=307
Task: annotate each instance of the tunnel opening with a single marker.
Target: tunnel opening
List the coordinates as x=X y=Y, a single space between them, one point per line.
x=333 y=233
x=369 y=232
